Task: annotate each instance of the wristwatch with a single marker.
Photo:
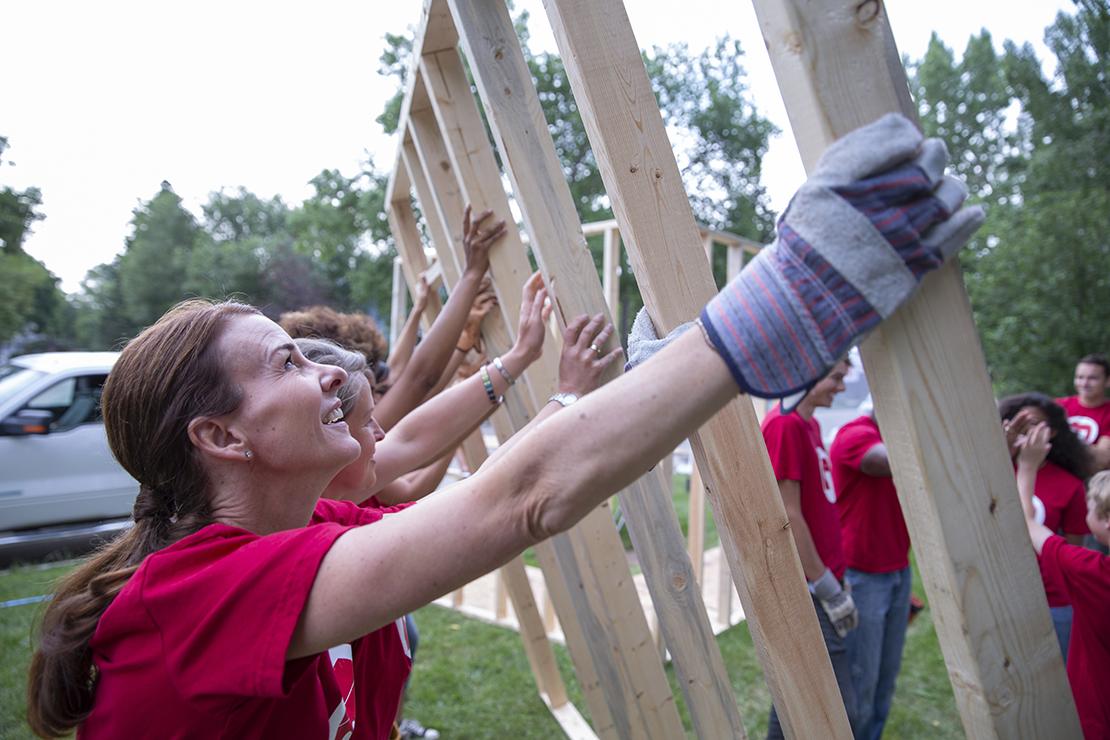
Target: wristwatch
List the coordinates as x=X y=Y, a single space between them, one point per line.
x=564 y=399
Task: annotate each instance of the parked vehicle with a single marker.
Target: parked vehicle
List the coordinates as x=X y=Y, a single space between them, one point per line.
x=55 y=465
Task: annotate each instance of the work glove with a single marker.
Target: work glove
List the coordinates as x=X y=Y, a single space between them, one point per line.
x=837 y=602
x=876 y=215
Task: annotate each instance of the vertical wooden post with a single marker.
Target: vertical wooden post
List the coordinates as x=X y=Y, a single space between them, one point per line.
x=838 y=68
x=610 y=272
x=512 y=108
x=695 y=524
x=636 y=160
x=633 y=684
x=537 y=648
x=397 y=304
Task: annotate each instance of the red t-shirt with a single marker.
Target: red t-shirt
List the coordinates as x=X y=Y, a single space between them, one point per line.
x=871 y=524
x=1088 y=423
x=194 y=645
x=797 y=453
x=1085 y=577
x=1060 y=503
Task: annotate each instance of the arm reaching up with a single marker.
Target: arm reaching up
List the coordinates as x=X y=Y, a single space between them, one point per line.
x=431 y=356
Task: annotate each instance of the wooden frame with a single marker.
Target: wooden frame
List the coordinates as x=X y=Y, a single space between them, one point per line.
x=953 y=475
x=956 y=489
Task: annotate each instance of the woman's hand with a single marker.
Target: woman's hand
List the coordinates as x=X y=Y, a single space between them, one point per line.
x=482 y=304
x=1015 y=430
x=534 y=312
x=1034 y=446
x=583 y=361
x=420 y=300
x=477 y=243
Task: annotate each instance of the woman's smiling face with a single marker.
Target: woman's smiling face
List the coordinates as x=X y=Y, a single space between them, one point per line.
x=355 y=481
x=289 y=417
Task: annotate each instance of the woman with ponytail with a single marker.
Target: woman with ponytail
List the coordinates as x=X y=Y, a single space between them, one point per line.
x=214 y=615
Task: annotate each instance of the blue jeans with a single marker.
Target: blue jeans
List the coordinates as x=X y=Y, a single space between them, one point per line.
x=875 y=647
x=842 y=669
x=1061 y=621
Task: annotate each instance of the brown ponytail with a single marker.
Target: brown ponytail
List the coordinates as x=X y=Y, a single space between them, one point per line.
x=164 y=378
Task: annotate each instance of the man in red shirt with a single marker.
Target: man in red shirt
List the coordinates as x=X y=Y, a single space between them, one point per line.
x=805 y=481
x=1089 y=410
x=876 y=547
x=1085 y=576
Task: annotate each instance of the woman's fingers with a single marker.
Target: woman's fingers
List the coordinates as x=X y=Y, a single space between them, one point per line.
x=574 y=329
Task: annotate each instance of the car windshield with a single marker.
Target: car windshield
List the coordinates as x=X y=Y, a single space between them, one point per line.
x=14 y=378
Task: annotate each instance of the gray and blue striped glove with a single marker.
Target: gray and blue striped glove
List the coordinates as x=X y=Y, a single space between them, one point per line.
x=876 y=216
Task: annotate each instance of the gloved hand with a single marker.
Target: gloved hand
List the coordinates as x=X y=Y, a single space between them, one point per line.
x=837 y=602
x=643 y=341
x=876 y=215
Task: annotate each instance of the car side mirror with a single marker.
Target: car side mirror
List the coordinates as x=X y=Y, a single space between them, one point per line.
x=25 y=422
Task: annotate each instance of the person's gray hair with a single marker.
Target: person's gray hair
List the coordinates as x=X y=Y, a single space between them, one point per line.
x=326 y=352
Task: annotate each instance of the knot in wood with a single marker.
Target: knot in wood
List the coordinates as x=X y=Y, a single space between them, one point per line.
x=659 y=174
x=994 y=505
x=499 y=53
x=867 y=11
x=633 y=169
x=678 y=582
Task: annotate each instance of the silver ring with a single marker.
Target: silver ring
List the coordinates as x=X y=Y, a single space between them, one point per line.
x=595 y=348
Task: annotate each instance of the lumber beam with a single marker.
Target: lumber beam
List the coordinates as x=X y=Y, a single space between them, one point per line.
x=637 y=164
x=555 y=233
x=537 y=647
x=591 y=557
x=934 y=403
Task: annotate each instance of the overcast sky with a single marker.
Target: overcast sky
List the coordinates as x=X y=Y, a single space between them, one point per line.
x=102 y=101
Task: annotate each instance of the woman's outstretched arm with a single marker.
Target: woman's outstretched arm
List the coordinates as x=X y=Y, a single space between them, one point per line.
x=565 y=467
x=430 y=357
x=875 y=217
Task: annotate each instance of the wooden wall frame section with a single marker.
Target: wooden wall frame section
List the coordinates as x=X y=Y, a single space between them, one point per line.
x=935 y=405
x=626 y=131
x=537 y=648
x=513 y=110
x=591 y=556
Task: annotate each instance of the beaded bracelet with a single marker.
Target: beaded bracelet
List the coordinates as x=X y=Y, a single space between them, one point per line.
x=488 y=385
x=504 y=373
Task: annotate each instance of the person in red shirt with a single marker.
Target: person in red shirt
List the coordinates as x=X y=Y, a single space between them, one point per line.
x=876 y=548
x=1059 y=494
x=1089 y=410
x=1083 y=575
x=213 y=614
x=436 y=425
x=805 y=480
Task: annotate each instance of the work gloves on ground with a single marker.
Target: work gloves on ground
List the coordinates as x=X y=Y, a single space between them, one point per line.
x=875 y=216
x=837 y=602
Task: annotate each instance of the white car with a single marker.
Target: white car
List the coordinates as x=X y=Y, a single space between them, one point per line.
x=55 y=465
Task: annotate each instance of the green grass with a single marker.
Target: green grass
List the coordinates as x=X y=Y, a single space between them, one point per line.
x=15 y=641
x=472 y=680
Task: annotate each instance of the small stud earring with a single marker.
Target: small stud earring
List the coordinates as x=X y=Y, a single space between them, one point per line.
x=247 y=454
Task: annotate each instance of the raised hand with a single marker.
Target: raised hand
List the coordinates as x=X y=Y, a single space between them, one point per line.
x=477 y=243
x=535 y=309
x=583 y=359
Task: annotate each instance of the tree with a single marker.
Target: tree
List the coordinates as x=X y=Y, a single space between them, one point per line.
x=1037 y=272
x=156 y=256
x=31 y=301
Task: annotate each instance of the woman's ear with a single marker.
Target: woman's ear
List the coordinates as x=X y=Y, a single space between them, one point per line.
x=214 y=436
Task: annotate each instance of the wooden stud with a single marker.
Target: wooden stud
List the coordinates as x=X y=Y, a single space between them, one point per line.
x=637 y=164
x=520 y=133
x=537 y=648
x=638 y=694
x=934 y=402
x=695 y=524
x=589 y=642
x=610 y=272
x=397 y=303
